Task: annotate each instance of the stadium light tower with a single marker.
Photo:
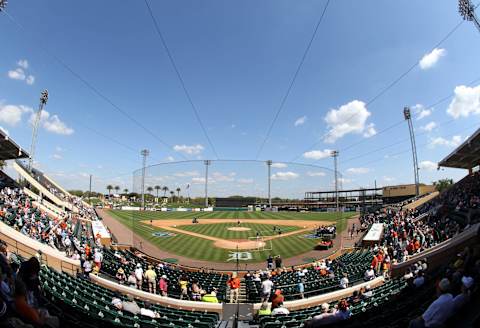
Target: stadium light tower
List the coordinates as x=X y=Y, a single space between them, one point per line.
x=144 y=153
x=467 y=11
x=36 y=123
x=334 y=154
x=269 y=165
x=408 y=117
x=207 y=164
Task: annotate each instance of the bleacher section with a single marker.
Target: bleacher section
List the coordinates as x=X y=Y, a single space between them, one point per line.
x=352 y=264
x=208 y=281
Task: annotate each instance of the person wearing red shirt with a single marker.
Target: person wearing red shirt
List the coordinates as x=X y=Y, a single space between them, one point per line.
x=234 y=284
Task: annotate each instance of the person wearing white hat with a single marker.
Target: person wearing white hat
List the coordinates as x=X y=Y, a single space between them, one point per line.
x=461 y=299
x=139 y=276
x=439 y=311
x=163 y=285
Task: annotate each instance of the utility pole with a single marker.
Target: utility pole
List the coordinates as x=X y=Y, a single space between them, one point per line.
x=207 y=164
x=334 y=154
x=408 y=117
x=36 y=123
x=467 y=11
x=144 y=153
x=269 y=165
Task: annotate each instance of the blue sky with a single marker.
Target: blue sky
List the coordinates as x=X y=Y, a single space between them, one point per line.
x=237 y=60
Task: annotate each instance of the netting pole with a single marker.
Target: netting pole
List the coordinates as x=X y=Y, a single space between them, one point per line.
x=207 y=163
x=144 y=153
x=269 y=165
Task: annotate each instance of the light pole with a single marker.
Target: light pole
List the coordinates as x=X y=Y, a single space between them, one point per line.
x=467 y=11
x=207 y=164
x=36 y=123
x=269 y=165
x=408 y=117
x=334 y=154
x=144 y=153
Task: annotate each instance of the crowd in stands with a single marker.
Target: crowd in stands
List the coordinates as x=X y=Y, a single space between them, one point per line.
x=323 y=230
x=408 y=232
x=66 y=234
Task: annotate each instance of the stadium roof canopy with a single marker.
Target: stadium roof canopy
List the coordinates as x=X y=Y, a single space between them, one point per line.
x=9 y=149
x=465 y=156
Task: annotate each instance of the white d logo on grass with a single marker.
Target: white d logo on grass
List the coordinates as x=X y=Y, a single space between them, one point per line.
x=241 y=256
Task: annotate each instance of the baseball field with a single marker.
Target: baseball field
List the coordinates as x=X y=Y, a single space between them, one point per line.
x=221 y=236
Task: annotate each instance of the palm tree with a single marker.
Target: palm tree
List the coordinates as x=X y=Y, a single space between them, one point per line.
x=157 y=189
x=109 y=188
x=178 y=192
x=149 y=190
x=165 y=189
x=117 y=189
x=125 y=191
x=172 y=193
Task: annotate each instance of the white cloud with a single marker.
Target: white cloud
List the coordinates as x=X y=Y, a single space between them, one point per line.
x=30 y=79
x=23 y=63
x=440 y=141
x=190 y=150
x=343 y=180
x=245 y=180
x=187 y=174
x=17 y=74
x=388 y=179
x=285 y=176
x=317 y=154
x=429 y=60
x=421 y=112
x=55 y=125
x=20 y=73
x=465 y=102
x=429 y=126
x=349 y=118
x=370 y=131
x=427 y=165
x=198 y=180
x=358 y=170
x=57 y=156
x=316 y=174
x=12 y=114
x=218 y=176
x=279 y=165
x=300 y=121
x=170 y=158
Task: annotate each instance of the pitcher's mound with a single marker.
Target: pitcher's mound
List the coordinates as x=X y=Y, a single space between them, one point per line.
x=242 y=244
x=238 y=229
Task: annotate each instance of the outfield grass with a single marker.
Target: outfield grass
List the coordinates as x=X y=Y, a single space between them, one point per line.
x=220 y=230
x=202 y=249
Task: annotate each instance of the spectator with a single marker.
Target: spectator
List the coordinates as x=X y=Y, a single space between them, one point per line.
x=267 y=285
x=419 y=280
x=439 y=311
x=264 y=309
x=196 y=291
x=280 y=310
x=369 y=274
x=121 y=277
x=301 y=288
x=151 y=277
x=139 y=276
x=339 y=314
x=98 y=258
x=464 y=297
x=277 y=299
x=183 y=283
x=163 y=285
x=344 y=281
x=132 y=280
x=234 y=284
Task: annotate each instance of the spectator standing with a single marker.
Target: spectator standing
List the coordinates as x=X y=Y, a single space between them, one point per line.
x=344 y=281
x=267 y=286
x=151 y=277
x=121 y=277
x=234 y=284
x=139 y=276
x=183 y=283
x=163 y=285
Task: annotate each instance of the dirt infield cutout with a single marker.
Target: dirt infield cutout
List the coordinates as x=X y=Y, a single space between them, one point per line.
x=242 y=244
